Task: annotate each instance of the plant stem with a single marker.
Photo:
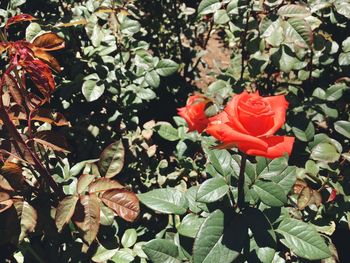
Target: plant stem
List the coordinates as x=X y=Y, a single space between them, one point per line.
x=243 y=41
x=240 y=199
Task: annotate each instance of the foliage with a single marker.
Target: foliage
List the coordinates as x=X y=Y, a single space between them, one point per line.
x=96 y=166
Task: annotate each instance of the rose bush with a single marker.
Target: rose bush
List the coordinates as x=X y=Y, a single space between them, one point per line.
x=249 y=123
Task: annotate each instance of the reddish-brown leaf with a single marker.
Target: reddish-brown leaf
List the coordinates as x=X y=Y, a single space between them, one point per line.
x=124 y=203
x=51 y=140
x=19 y=18
x=13 y=88
x=3 y=47
x=49 y=59
x=104 y=184
x=5 y=185
x=41 y=76
x=87 y=217
x=45 y=115
x=4 y=205
x=49 y=41
x=4 y=195
x=84 y=181
x=65 y=211
x=332 y=196
x=28 y=217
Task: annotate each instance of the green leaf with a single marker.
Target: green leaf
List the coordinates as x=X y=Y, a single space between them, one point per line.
x=285 y=61
x=166 y=67
x=221 y=17
x=346 y=45
x=91 y=90
x=303 y=239
x=270 y=193
x=32 y=30
x=221 y=160
x=168 y=132
x=112 y=159
x=305 y=135
x=65 y=210
x=212 y=190
x=344 y=59
x=293 y=11
x=103 y=254
x=272 y=32
x=325 y=152
x=130 y=26
x=218 y=243
x=343 y=8
x=298 y=31
x=343 y=127
x=123 y=256
x=335 y=91
x=129 y=238
x=152 y=79
x=168 y=201
x=208 y=7
x=161 y=251
x=190 y=225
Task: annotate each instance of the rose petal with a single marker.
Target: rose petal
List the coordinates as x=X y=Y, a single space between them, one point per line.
x=230 y=137
x=220 y=118
x=232 y=111
x=277 y=147
x=279 y=106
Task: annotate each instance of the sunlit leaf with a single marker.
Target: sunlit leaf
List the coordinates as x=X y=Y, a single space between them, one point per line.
x=112 y=159
x=124 y=203
x=65 y=211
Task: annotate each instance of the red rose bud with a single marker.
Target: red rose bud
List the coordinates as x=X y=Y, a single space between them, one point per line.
x=332 y=196
x=194 y=113
x=249 y=123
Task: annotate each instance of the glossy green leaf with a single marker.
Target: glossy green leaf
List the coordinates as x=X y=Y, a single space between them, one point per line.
x=168 y=201
x=343 y=127
x=129 y=237
x=91 y=90
x=152 y=79
x=212 y=190
x=216 y=242
x=270 y=193
x=303 y=239
x=166 y=67
x=168 y=132
x=292 y=10
x=112 y=159
x=325 y=152
x=161 y=251
x=190 y=225
x=208 y=6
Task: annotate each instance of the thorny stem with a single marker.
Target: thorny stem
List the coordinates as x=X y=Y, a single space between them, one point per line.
x=310 y=66
x=18 y=140
x=240 y=199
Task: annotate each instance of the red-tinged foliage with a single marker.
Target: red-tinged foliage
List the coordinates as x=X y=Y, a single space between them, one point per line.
x=49 y=41
x=41 y=76
x=332 y=196
x=124 y=203
x=18 y=19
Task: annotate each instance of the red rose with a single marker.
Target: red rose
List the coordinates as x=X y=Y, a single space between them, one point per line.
x=249 y=122
x=194 y=113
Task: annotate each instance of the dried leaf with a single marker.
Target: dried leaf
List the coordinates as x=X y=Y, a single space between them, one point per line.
x=304 y=198
x=48 y=41
x=104 y=184
x=124 y=203
x=19 y=18
x=87 y=217
x=65 y=211
x=74 y=23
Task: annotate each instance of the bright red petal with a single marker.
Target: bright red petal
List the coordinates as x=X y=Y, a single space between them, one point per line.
x=277 y=147
x=230 y=137
x=279 y=106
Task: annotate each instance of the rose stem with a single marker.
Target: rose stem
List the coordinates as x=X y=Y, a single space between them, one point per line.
x=240 y=200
